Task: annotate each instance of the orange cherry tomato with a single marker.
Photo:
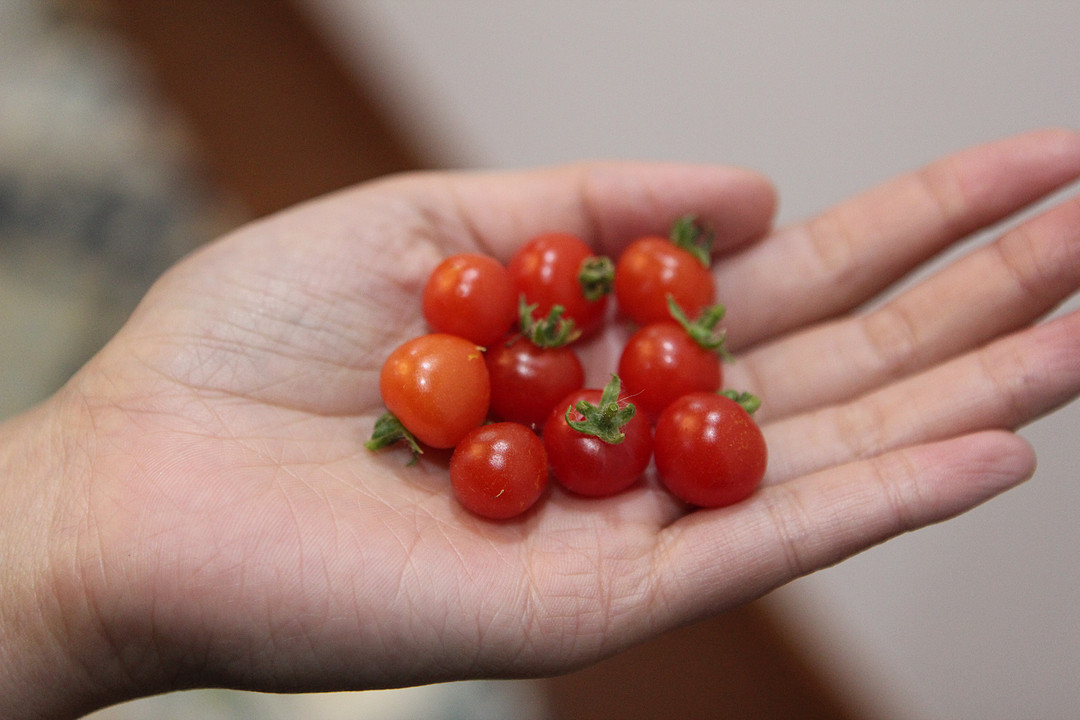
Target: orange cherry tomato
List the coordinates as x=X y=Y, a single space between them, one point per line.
x=437 y=385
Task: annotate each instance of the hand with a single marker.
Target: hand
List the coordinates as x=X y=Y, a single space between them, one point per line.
x=212 y=517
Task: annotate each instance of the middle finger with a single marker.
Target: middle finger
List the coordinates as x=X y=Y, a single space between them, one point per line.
x=997 y=289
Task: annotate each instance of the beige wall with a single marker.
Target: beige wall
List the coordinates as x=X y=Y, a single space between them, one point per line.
x=973 y=619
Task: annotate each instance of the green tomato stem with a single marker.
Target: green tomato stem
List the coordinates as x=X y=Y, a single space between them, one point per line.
x=703 y=330
x=388 y=431
x=550 y=332
x=749 y=402
x=597 y=277
x=606 y=419
x=688 y=235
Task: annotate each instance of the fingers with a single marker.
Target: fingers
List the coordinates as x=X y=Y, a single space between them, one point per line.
x=837 y=261
x=712 y=559
x=997 y=289
x=608 y=204
x=1003 y=385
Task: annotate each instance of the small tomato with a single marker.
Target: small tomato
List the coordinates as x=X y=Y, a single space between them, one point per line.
x=499 y=471
x=437 y=385
x=607 y=451
x=709 y=450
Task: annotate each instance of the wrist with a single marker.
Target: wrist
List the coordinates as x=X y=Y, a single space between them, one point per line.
x=50 y=640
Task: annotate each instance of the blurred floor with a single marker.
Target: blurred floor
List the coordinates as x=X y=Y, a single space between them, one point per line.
x=492 y=700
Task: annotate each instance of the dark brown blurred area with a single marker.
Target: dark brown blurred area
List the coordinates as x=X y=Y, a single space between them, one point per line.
x=277 y=116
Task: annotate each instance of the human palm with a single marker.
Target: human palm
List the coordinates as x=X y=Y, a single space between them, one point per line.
x=236 y=532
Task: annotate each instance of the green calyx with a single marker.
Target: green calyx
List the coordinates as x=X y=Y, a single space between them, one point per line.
x=550 y=332
x=704 y=329
x=389 y=430
x=597 y=277
x=748 y=401
x=688 y=235
x=606 y=419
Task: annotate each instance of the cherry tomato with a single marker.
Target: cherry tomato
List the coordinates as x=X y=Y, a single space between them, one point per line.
x=499 y=471
x=709 y=450
x=472 y=296
x=547 y=270
x=653 y=267
x=584 y=463
x=661 y=362
x=527 y=381
x=437 y=385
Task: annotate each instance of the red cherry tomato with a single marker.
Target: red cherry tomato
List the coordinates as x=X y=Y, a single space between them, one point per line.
x=661 y=362
x=587 y=465
x=472 y=296
x=499 y=471
x=527 y=381
x=547 y=271
x=437 y=385
x=650 y=269
x=709 y=450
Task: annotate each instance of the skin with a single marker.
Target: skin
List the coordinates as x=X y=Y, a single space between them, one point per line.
x=195 y=507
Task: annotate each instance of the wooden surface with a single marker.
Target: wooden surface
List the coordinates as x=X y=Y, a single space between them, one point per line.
x=280 y=120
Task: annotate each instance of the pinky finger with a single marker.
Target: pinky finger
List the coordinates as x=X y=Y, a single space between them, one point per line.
x=788 y=530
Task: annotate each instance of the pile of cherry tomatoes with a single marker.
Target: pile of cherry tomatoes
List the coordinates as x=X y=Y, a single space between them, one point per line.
x=498 y=379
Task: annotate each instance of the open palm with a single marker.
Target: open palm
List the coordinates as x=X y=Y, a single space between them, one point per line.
x=234 y=530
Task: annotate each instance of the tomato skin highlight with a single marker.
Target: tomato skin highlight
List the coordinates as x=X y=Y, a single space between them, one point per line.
x=661 y=362
x=437 y=385
x=499 y=471
x=587 y=465
x=527 y=381
x=651 y=268
x=546 y=270
x=471 y=296
x=709 y=450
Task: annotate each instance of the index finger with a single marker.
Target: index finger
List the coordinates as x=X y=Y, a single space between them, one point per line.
x=607 y=204
x=839 y=260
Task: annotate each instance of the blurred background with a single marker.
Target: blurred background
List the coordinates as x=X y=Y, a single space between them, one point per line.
x=131 y=132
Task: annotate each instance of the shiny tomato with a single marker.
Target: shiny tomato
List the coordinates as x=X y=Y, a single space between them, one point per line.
x=528 y=380
x=549 y=269
x=437 y=385
x=472 y=296
x=661 y=362
x=499 y=471
x=709 y=450
x=587 y=464
x=653 y=267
